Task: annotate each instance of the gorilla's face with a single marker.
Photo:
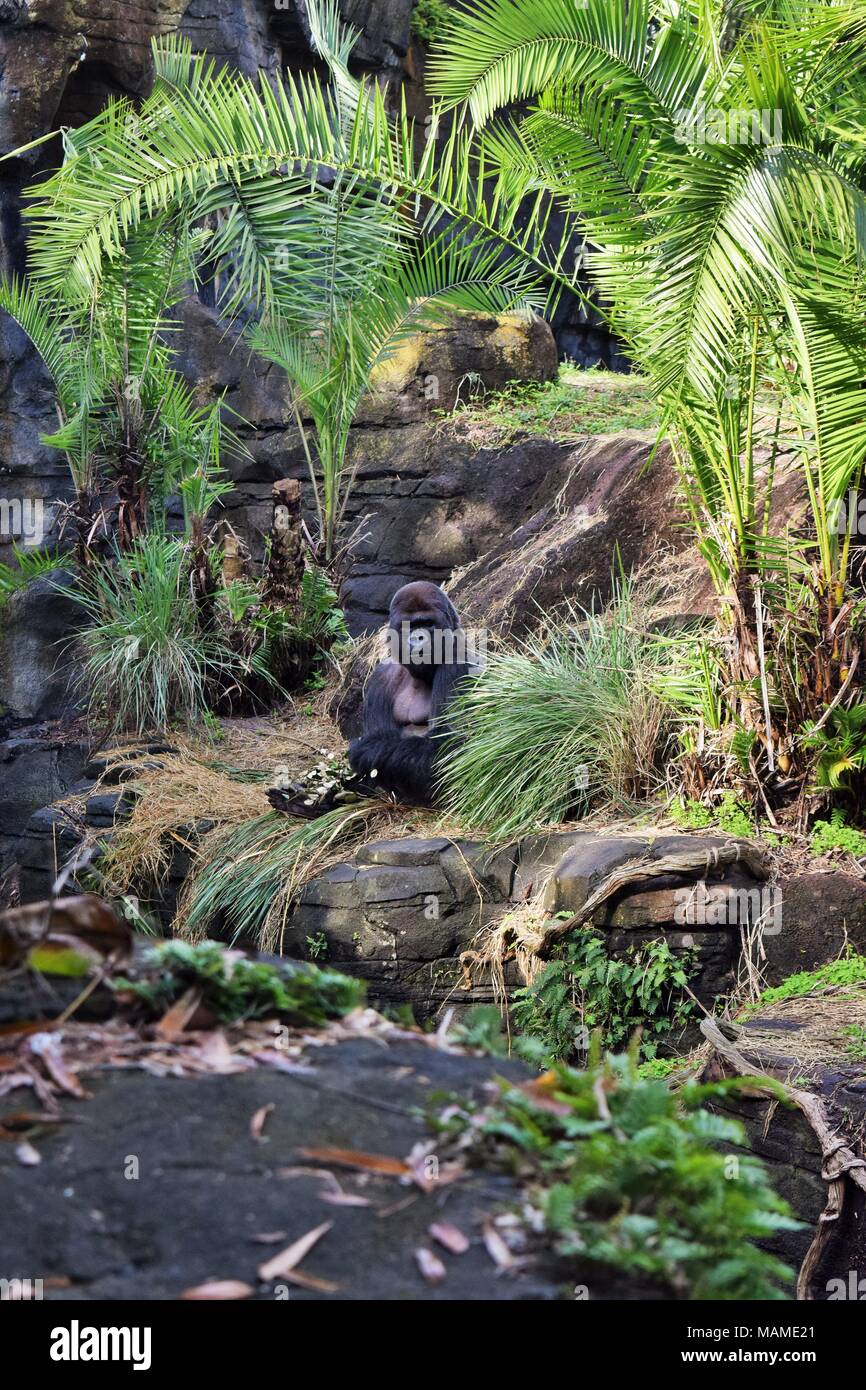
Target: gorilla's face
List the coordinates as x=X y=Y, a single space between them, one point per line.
x=423 y=620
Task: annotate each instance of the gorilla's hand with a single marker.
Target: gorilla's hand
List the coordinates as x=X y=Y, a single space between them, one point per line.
x=364 y=752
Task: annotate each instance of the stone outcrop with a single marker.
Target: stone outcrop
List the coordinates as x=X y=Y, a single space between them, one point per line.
x=421 y=505
x=608 y=496
x=156 y=1237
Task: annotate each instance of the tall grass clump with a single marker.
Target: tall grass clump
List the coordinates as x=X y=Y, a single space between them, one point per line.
x=569 y=719
x=250 y=874
x=144 y=657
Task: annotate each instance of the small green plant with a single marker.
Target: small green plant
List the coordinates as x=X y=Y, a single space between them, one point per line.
x=237 y=990
x=251 y=873
x=835 y=833
x=144 y=657
x=430 y=19
x=730 y=815
x=482 y=1029
x=587 y=989
x=734 y=818
x=317 y=946
x=658 y=1068
x=30 y=564
x=839 y=747
x=692 y=815
x=628 y=1177
x=856 y=1045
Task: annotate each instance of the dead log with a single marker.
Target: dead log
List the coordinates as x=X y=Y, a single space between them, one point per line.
x=285 y=565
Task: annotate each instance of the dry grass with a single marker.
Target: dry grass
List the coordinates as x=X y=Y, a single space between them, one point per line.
x=218 y=785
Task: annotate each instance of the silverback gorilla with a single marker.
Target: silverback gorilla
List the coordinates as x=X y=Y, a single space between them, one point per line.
x=407 y=696
x=405 y=701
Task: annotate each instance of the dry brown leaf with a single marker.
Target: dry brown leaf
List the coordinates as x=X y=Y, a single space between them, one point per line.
x=219 y=1289
x=175 y=1019
x=281 y=1265
x=354 y=1158
x=46 y=1046
x=309 y=1281
x=257 y=1123
x=85 y=918
x=430 y=1265
x=449 y=1236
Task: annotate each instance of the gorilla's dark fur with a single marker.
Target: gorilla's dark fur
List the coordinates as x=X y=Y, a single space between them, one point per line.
x=405 y=701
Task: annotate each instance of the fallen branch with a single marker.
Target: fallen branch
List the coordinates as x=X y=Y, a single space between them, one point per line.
x=689 y=862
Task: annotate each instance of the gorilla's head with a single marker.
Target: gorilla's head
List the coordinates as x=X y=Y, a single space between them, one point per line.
x=419 y=612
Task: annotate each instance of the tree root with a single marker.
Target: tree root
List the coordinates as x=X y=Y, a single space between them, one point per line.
x=839 y=1159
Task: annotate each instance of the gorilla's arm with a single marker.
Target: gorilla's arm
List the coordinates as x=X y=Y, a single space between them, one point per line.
x=402 y=765
x=445 y=683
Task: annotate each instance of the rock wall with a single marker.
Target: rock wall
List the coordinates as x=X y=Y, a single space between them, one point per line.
x=60 y=60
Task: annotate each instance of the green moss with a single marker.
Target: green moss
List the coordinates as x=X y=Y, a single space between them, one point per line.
x=849 y=971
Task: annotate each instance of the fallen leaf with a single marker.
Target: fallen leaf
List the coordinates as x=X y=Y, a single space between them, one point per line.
x=26 y=1154
x=215 y=1052
x=497 y=1249
x=269 y=1237
x=449 y=1236
x=354 y=1158
x=281 y=1265
x=175 y=1019
x=430 y=1265
x=339 y=1198
x=219 y=1289
x=79 y=923
x=46 y=1046
x=309 y=1281
x=257 y=1123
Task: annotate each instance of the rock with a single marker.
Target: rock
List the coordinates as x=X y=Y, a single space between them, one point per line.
x=604 y=498
x=803 y=1042
x=79 y=1216
x=105 y=808
x=821 y=916
x=36 y=770
x=429 y=369
x=36 y=669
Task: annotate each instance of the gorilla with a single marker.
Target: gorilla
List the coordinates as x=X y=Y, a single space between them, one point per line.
x=407 y=696
x=406 y=700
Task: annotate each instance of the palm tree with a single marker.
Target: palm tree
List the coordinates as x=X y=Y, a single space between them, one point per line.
x=309 y=197
x=127 y=422
x=731 y=267
x=714 y=155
